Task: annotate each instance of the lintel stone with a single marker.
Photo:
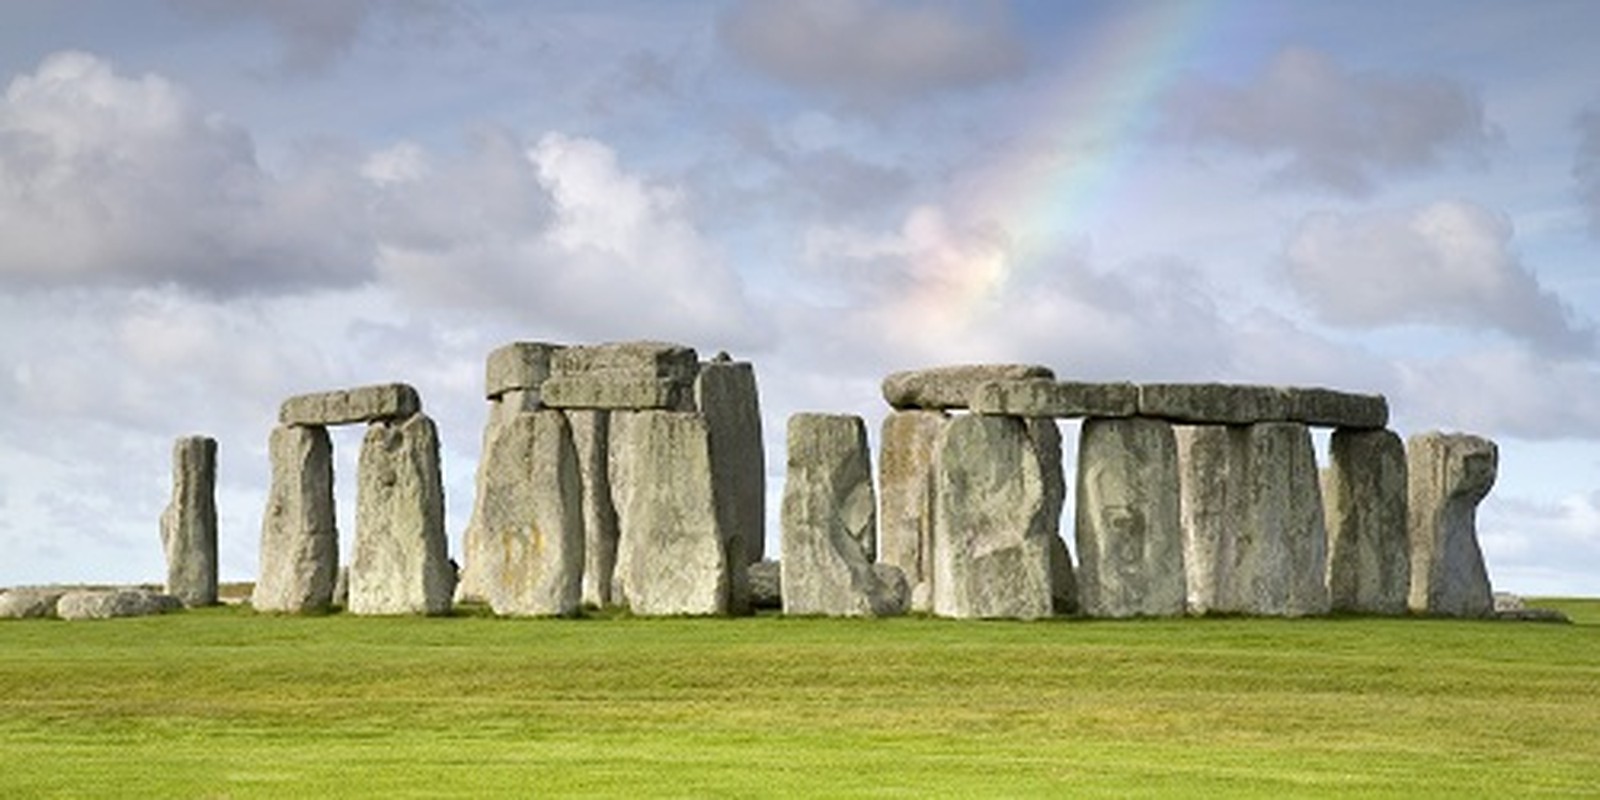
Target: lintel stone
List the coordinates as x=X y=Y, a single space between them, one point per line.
x=952 y=386
x=387 y=401
x=632 y=359
x=1236 y=404
x=1044 y=397
x=517 y=366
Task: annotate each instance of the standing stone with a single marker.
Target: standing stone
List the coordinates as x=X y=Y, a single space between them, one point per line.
x=992 y=526
x=830 y=521
x=189 y=523
x=530 y=519
x=1046 y=439
x=1364 y=491
x=725 y=392
x=905 y=502
x=672 y=557
x=591 y=440
x=1130 y=541
x=299 y=543
x=1255 y=541
x=1449 y=474
x=401 y=563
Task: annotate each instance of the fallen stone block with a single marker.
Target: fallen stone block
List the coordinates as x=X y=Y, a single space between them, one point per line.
x=519 y=366
x=299 y=543
x=111 y=603
x=766 y=585
x=401 y=563
x=29 y=603
x=389 y=401
x=1449 y=474
x=941 y=388
x=1044 y=397
x=1364 y=494
x=993 y=523
x=905 y=500
x=830 y=521
x=189 y=522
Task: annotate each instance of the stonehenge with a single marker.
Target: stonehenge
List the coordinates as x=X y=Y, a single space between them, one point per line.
x=632 y=474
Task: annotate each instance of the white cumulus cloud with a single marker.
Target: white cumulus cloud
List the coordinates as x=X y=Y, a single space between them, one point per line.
x=1447 y=263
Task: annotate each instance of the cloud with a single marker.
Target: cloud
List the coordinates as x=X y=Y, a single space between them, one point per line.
x=313 y=35
x=559 y=232
x=1522 y=539
x=106 y=179
x=1332 y=128
x=1505 y=391
x=875 y=53
x=1586 y=166
x=1448 y=263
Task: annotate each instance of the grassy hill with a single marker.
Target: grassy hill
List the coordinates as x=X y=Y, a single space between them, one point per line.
x=223 y=703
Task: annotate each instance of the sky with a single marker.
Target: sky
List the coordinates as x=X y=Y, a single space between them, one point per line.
x=207 y=206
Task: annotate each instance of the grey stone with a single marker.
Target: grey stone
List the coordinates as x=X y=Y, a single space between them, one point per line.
x=519 y=366
x=952 y=386
x=1212 y=403
x=830 y=521
x=528 y=516
x=766 y=585
x=726 y=393
x=591 y=441
x=189 y=522
x=1533 y=615
x=513 y=402
x=1449 y=474
x=671 y=558
x=1364 y=495
x=635 y=359
x=299 y=543
x=618 y=392
x=110 y=603
x=1332 y=409
x=29 y=603
x=1506 y=601
x=1130 y=542
x=1255 y=541
x=1044 y=397
x=1045 y=437
x=401 y=563
x=896 y=591
x=389 y=401
x=341 y=588
x=905 y=501
x=1234 y=404
x=992 y=522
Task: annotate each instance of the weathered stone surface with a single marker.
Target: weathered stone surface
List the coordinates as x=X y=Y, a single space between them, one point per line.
x=110 y=603
x=671 y=557
x=388 y=401
x=1506 y=601
x=29 y=603
x=726 y=393
x=896 y=591
x=620 y=393
x=401 y=563
x=591 y=441
x=1449 y=474
x=1233 y=404
x=905 y=503
x=519 y=366
x=1212 y=403
x=341 y=588
x=637 y=359
x=951 y=387
x=992 y=522
x=1045 y=397
x=1328 y=408
x=1534 y=615
x=299 y=543
x=1130 y=542
x=189 y=523
x=830 y=521
x=1254 y=536
x=528 y=518
x=1045 y=437
x=1364 y=496
x=766 y=585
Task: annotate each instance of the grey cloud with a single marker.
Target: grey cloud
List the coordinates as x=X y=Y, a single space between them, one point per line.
x=1333 y=128
x=1448 y=263
x=114 y=180
x=875 y=52
x=313 y=35
x=1501 y=392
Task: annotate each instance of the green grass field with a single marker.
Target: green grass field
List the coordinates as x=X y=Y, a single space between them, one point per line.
x=223 y=703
